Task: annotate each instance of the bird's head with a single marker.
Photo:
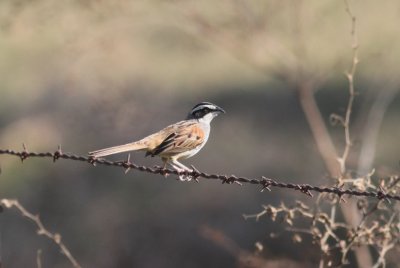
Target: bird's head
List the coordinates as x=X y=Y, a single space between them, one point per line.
x=205 y=111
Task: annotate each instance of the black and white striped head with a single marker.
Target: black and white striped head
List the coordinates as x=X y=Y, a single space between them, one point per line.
x=205 y=111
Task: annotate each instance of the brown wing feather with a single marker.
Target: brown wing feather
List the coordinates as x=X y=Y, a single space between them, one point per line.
x=154 y=140
x=185 y=137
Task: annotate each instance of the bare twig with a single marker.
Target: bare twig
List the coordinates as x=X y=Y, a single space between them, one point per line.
x=335 y=165
x=381 y=233
x=350 y=77
x=55 y=237
x=362 y=254
x=381 y=260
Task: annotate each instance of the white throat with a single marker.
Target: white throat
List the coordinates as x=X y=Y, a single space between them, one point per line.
x=208 y=117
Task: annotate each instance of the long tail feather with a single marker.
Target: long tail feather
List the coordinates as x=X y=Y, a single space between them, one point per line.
x=118 y=149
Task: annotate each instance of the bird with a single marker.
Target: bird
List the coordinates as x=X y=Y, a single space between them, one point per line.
x=174 y=142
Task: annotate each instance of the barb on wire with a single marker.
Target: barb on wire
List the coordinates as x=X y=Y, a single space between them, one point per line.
x=265 y=183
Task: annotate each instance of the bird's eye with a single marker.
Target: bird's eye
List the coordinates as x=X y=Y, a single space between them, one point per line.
x=206 y=110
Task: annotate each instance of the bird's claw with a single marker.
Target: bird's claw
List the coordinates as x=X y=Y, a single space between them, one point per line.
x=184 y=175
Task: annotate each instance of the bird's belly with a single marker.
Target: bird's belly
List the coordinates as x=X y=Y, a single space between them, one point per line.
x=185 y=155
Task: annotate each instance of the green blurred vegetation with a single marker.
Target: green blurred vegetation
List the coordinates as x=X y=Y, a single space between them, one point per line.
x=90 y=74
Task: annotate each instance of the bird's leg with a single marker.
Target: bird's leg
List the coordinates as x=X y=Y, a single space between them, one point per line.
x=179 y=164
x=165 y=162
x=181 y=168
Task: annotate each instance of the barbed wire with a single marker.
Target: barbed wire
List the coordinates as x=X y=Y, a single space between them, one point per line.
x=195 y=174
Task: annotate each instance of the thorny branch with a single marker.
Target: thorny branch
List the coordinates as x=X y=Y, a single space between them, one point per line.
x=331 y=236
x=41 y=230
x=352 y=93
x=195 y=174
x=376 y=228
x=363 y=255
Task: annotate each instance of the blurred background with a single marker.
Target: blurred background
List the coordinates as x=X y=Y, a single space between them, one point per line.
x=90 y=74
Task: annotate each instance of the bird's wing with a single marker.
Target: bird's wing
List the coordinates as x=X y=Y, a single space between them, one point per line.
x=181 y=137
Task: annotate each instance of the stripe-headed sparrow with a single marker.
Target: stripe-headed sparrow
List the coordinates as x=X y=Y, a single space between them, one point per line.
x=177 y=141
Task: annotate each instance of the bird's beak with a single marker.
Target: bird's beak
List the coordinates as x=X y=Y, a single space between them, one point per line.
x=220 y=110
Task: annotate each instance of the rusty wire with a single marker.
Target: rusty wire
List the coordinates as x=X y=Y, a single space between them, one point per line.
x=264 y=182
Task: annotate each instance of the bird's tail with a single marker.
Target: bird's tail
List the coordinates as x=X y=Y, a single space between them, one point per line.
x=134 y=146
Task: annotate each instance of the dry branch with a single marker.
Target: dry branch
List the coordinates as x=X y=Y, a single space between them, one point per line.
x=41 y=230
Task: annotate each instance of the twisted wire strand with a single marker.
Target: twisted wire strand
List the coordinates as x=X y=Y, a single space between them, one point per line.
x=264 y=182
